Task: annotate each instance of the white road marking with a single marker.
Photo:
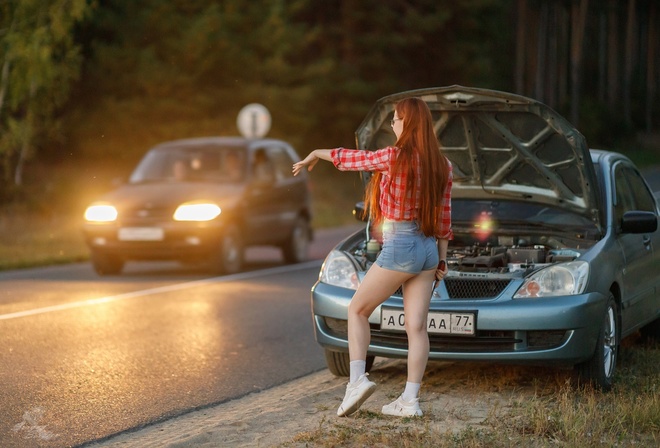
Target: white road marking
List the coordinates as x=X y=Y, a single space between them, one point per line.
x=161 y=289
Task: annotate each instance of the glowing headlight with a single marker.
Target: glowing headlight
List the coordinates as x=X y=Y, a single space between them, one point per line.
x=196 y=212
x=338 y=270
x=101 y=213
x=564 y=279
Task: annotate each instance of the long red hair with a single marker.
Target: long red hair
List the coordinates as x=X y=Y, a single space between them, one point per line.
x=417 y=140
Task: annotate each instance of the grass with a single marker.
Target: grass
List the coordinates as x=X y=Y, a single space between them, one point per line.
x=29 y=239
x=549 y=414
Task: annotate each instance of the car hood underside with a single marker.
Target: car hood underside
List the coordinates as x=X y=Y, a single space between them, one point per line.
x=502 y=146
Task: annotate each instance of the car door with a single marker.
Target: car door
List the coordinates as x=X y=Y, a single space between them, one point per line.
x=289 y=191
x=261 y=212
x=642 y=259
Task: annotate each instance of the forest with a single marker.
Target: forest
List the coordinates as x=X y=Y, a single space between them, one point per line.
x=86 y=86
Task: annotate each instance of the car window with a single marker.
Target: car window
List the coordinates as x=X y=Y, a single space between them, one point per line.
x=631 y=192
x=262 y=166
x=472 y=211
x=643 y=198
x=282 y=162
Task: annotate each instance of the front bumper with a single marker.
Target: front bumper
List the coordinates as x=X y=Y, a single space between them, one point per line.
x=558 y=330
x=179 y=241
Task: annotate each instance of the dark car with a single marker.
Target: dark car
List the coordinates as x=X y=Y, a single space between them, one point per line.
x=203 y=200
x=556 y=251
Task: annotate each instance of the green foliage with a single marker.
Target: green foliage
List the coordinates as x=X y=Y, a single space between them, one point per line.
x=186 y=68
x=39 y=61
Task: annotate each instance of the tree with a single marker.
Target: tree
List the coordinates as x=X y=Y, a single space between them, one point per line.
x=39 y=60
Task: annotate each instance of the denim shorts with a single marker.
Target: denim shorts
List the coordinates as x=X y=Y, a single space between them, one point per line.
x=406 y=248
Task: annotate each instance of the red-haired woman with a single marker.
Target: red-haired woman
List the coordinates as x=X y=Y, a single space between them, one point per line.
x=410 y=194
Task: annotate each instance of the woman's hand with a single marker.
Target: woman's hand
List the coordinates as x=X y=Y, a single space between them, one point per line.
x=308 y=162
x=441 y=271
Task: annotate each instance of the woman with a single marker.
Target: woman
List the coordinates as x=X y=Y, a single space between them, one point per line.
x=410 y=194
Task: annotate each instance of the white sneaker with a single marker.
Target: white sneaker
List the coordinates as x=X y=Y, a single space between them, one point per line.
x=402 y=408
x=356 y=394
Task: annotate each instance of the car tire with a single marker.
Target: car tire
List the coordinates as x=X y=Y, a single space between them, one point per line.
x=339 y=363
x=296 y=247
x=599 y=370
x=106 y=264
x=229 y=259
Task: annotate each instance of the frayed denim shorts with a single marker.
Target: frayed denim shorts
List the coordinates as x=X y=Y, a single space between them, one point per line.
x=406 y=248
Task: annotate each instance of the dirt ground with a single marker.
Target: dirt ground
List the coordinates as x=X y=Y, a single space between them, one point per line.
x=455 y=395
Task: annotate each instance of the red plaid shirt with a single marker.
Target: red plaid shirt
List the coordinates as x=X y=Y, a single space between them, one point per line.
x=392 y=208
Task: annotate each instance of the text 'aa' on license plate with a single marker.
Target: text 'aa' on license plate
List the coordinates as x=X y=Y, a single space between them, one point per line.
x=437 y=322
x=141 y=234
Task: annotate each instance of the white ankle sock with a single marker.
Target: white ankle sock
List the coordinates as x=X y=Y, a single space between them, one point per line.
x=357 y=369
x=411 y=391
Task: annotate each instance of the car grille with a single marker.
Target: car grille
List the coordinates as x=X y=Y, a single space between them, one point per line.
x=148 y=213
x=471 y=288
x=490 y=341
x=475 y=288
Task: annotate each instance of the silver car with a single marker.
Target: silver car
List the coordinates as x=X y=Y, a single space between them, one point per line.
x=556 y=251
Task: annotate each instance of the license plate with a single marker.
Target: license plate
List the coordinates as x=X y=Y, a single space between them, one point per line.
x=437 y=322
x=141 y=234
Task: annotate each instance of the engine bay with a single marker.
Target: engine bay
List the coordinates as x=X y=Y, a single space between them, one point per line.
x=497 y=254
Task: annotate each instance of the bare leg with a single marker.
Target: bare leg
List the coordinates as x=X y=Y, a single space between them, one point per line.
x=416 y=299
x=378 y=285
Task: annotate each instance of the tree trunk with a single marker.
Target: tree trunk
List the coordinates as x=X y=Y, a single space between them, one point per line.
x=26 y=137
x=578 y=23
x=4 y=83
x=650 y=67
x=551 y=72
x=564 y=49
x=602 y=57
x=519 y=74
x=613 y=52
x=629 y=55
x=541 y=45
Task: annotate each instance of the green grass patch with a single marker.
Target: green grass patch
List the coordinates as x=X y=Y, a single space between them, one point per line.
x=29 y=239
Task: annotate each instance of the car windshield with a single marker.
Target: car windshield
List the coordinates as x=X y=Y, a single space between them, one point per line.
x=502 y=213
x=186 y=164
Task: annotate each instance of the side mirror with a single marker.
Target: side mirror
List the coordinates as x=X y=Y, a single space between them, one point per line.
x=360 y=212
x=639 y=222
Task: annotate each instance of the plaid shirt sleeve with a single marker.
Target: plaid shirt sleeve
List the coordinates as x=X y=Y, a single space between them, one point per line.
x=357 y=160
x=444 y=230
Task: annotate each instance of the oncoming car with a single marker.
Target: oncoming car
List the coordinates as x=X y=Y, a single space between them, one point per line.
x=203 y=200
x=556 y=250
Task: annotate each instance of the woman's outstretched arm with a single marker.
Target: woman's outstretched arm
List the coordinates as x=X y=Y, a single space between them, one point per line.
x=311 y=160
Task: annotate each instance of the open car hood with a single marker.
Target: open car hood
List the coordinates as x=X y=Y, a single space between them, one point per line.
x=502 y=146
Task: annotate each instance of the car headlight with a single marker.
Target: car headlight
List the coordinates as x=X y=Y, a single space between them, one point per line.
x=101 y=213
x=563 y=279
x=339 y=270
x=196 y=212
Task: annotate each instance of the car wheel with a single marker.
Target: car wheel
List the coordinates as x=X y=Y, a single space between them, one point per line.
x=295 y=249
x=651 y=332
x=339 y=363
x=599 y=370
x=230 y=257
x=106 y=264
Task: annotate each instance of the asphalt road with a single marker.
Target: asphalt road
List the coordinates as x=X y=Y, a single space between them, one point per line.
x=83 y=357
